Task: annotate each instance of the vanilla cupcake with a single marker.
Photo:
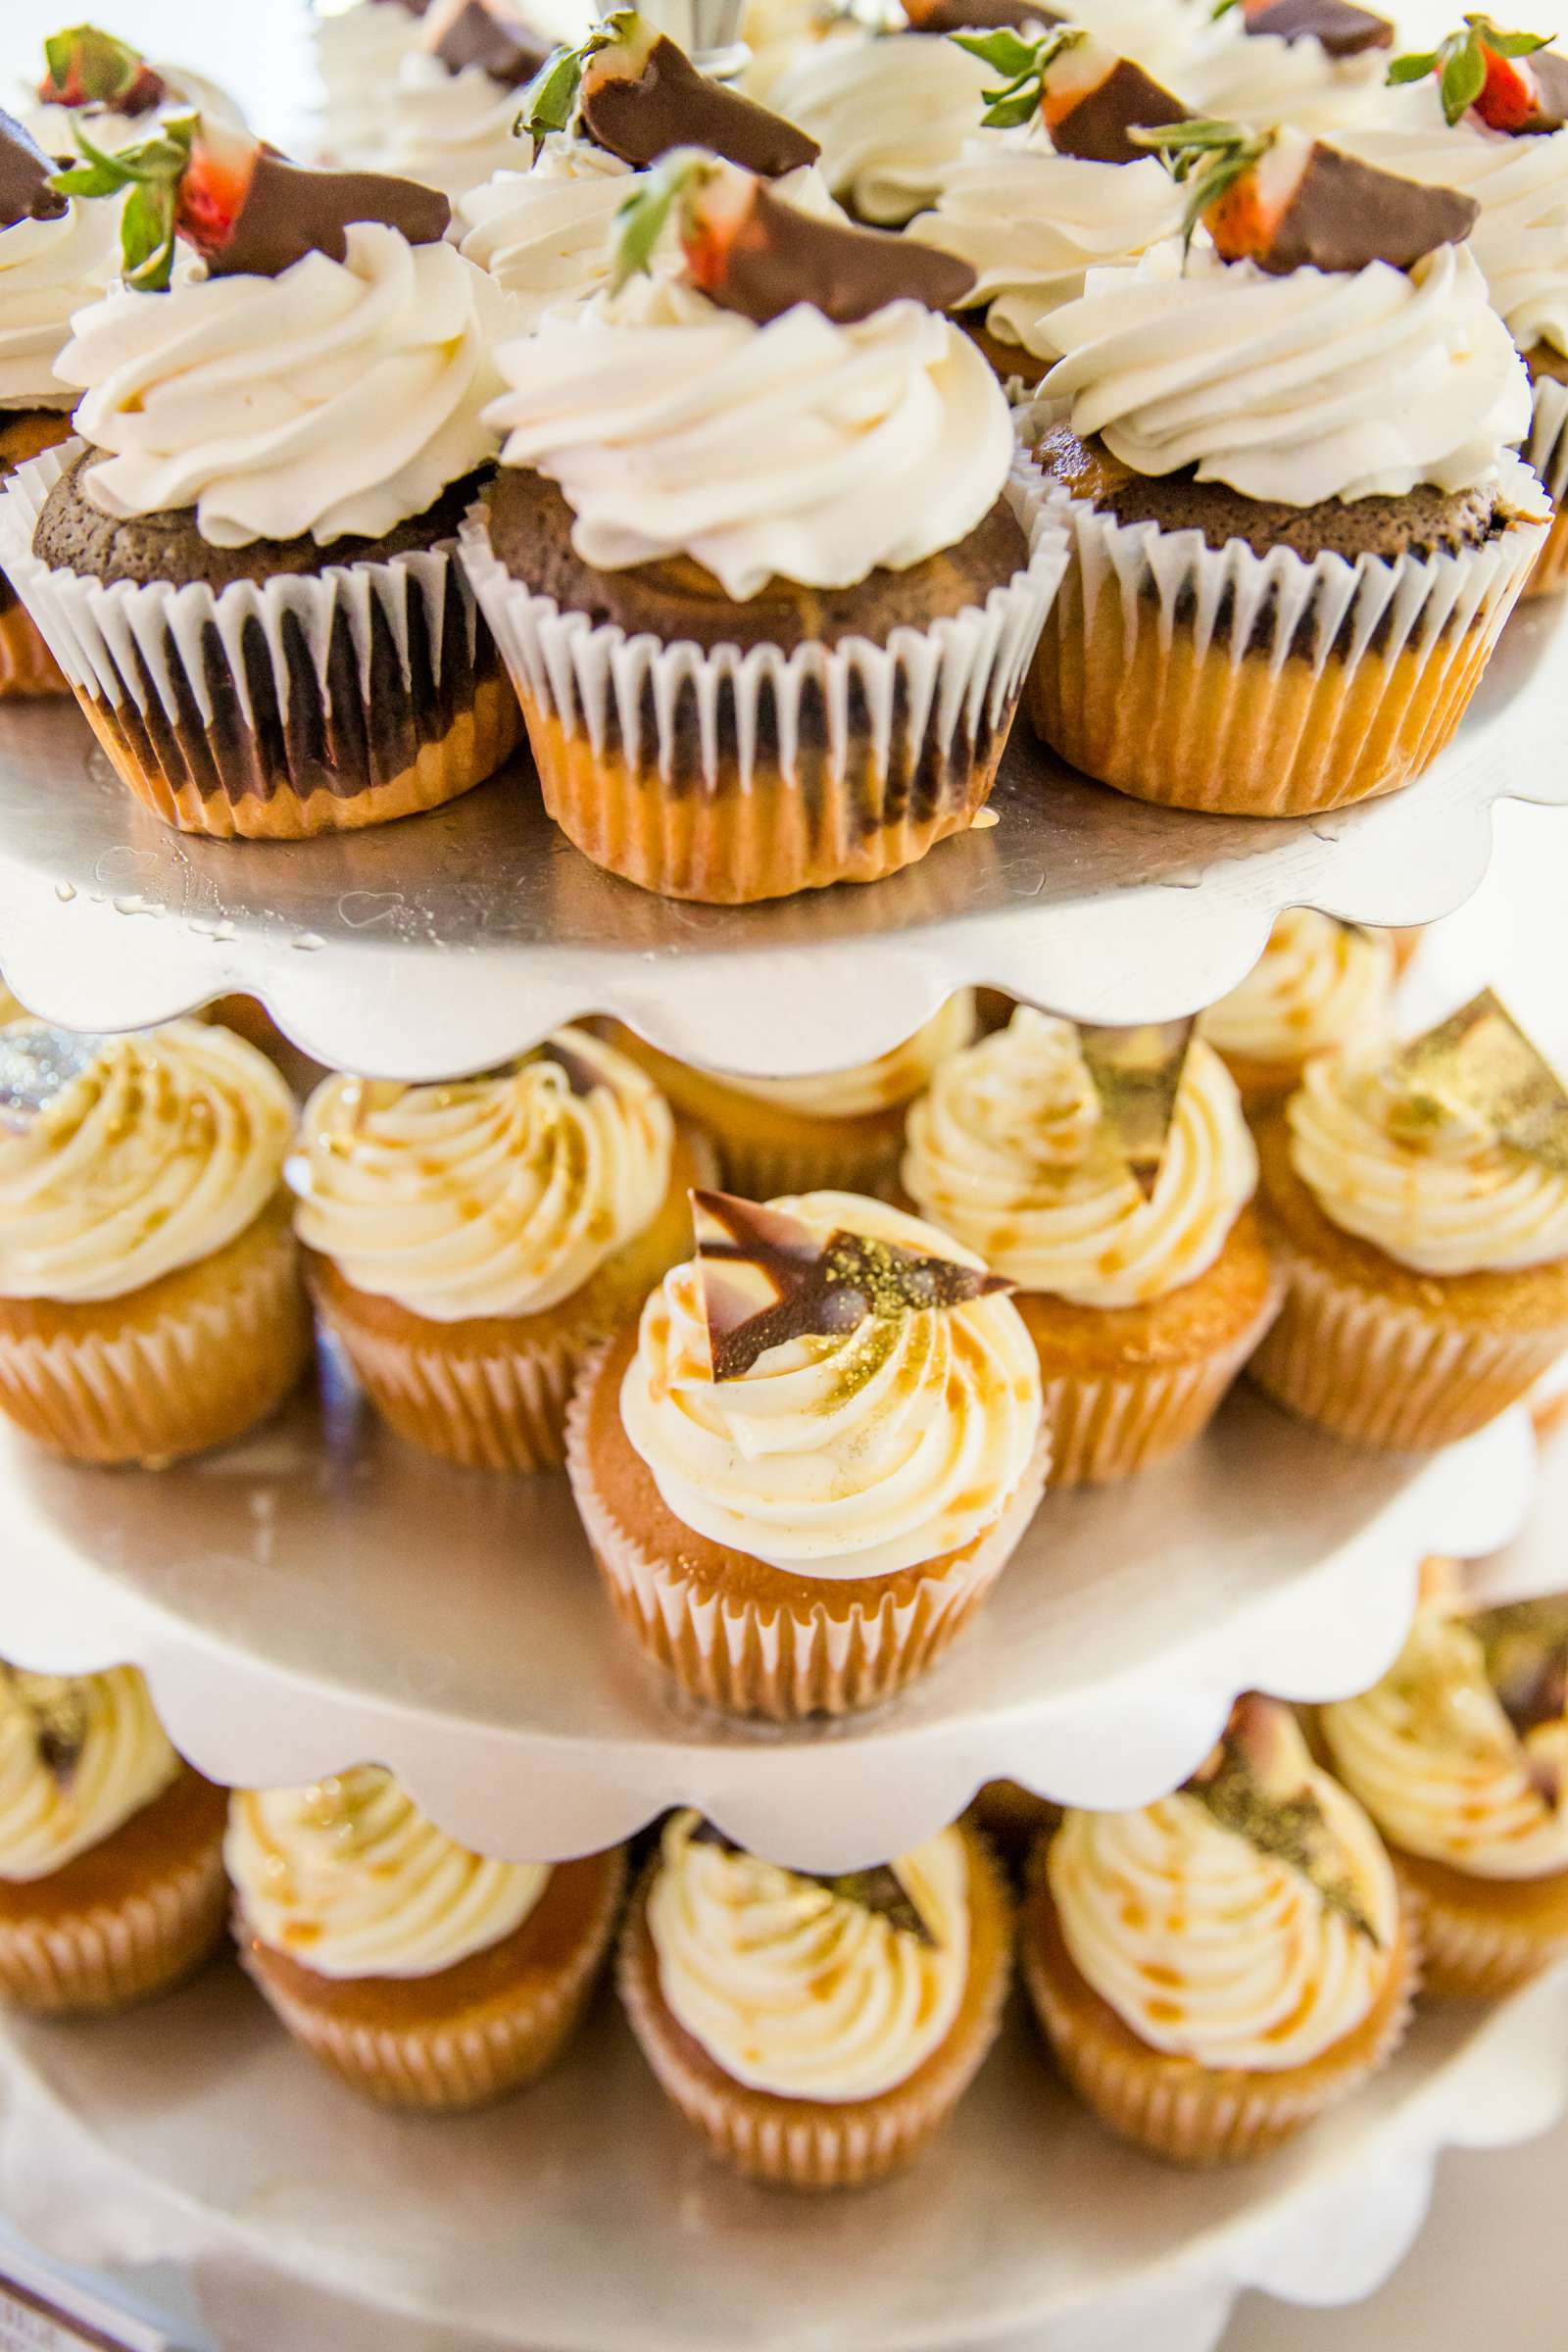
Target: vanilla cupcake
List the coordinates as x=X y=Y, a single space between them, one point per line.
x=1417 y=1203
x=1460 y=1755
x=803 y=1467
x=815 y=2031
x=359 y=51
x=841 y=1131
x=1143 y=1287
x=111 y=1849
x=150 y=1297
x=471 y=1243
x=1214 y=1970
x=1318 y=986
x=423 y=1975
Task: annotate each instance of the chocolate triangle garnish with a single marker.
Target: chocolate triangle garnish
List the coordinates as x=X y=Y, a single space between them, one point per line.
x=27 y=178
x=487 y=33
x=1137 y=1074
x=1343 y=29
x=58 y=1716
x=641 y=96
x=879 y=1890
x=1479 y=1065
x=766 y=1280
x=1525 y=1648
x=1251 y=1784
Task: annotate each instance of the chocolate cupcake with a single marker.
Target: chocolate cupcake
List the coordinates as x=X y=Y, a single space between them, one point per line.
x=1287 y=576
x=761 y=644
x=246 y=571
x=1319 y=987
x=1493 y=122
x=56 y=254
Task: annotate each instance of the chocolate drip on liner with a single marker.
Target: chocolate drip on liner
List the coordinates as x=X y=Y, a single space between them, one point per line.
x=27 y=174
x=879 y=1890
x=640 y=116
x=489 y=35
x=1342 y=29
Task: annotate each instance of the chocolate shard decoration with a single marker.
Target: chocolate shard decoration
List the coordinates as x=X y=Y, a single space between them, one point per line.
x=642 y=96
x=978 y=16
x=38 y=1064
x=1343 y=29
x=58 y=1715
x=1479 y=1065
x=1251 y=1784
x=1550 y=71
x=27 y=178
x=582 y=1076
x=1137 y=1075
x=1345 y=213
x=766 y=1280
x=879 y=1890
x=1096 y=127
x=1524 y=1645
x=294 y=209
x=488 y=33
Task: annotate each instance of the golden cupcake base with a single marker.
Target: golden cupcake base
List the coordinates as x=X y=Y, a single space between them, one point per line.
x=1482 y=1937
x=1549 y=572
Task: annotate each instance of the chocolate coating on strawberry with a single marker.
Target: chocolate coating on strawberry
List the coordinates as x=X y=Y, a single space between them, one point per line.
x=27 y=190
x=291 y=210
x=637 y=95
x=84 y=67
x=1098 y=127
x=979 y=16
x=1090 y=100
x=487 y=33
x=1342 y=28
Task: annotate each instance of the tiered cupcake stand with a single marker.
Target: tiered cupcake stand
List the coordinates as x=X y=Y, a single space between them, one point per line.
x=321 y=1595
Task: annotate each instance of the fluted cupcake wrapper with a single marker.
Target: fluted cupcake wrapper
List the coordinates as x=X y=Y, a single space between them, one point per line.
x=1214 y=678
x=810 y=2145
x=1382 y=1374
x=1547 y=453
x=767 y=1168
x=27 y=665
x=115 y=1384
x=1185 y=2115
x=1107 y=1428
x=110 y=1955
x=1471 y=1949
x=273 y=709
x=783 y=1664
x=442 y=2065
x=904 y=737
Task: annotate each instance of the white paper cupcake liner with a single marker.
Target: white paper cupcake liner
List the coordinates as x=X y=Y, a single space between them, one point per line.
x=115 y=1954
x=936 y=701
x=1546 y=449
x=159 y=667
x=1469 y=1956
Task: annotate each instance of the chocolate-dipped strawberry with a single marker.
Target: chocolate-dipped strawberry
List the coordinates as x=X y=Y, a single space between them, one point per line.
x=1088 y=99
x=488 y=33
x=27 y=190
x=1339 y=26
x=1287 y=202
x=246 y=210
x=634 y=93
x=84 y=67
x=753 y=253
x=979 y=16
x=1512 y=82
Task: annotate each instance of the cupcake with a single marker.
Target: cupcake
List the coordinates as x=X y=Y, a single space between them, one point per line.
x=359 y=51
x=806 y=1464
x=1287 y=576
x=815 y=2031
x=264 y=625
x=56 y=256
x=1214 y=1970
x=1460 y=1755
x=111 y=1849
x=452 y=119
x=1418 y=1204
x=423 y=1975
x=598 y=114
x=1496 y=126
x=1318 y=986
x=760 y=557
x=470 y=1244
x=150 y=1298
x=1106 y=1175
x=1316 y=65
x=842 y=1130
x=1053 y=186
x=99 y=89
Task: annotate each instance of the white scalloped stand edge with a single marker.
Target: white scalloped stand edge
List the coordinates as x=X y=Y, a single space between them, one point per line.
x=1323 y=2227
x=568 y=1778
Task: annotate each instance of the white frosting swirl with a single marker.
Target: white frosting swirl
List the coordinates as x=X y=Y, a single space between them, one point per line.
x=1317 y=985
x=1008 y=1150
x=1300 y=388
x=890 y=113
x=157 y=1153
x=1432 y=1756
x=795 y=1991
x=544 y=233
x=856 y=1455
x=1443 y=1198
x=1259 y=79
x=1213 y=1950
x=48 y=271
x=452 y=132
x=340 y=397
x=868 y=1087
x=1031 y=224
x=493 y=1195
x=119 y=1761
x=358 y=53
x=55 y=126
x=1521 y=238
x=351 y=1879
x=801 y=448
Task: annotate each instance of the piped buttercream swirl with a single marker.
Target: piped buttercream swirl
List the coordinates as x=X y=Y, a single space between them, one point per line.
x=49 y=269
x=119 y=1761
x=1318 y=984
x=868 y=1087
